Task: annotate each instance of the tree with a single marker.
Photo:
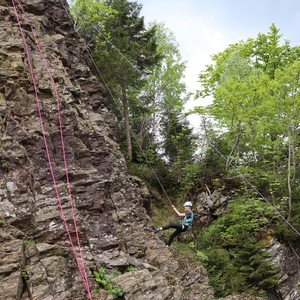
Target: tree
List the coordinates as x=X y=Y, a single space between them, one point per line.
x=126 y=55
x=237 y=260
x=255 y=85
x=168 y=93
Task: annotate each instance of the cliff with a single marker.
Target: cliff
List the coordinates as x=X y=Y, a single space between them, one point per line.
x=36 y=259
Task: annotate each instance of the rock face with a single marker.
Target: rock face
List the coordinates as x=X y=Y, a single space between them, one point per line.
x=243 y=297
x=288 y=260
x=36 y=261
x=209 y=205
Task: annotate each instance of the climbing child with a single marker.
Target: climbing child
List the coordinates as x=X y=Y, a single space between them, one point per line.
x=184 y=223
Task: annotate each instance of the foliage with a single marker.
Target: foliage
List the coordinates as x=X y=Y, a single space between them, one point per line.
x=2 y=222
x=5 y=166
x=132 y=269
x=175 y=137
x=233 y=252
x=143 y=69
x=89 y=13
x=255 y=85
x=24 y=274
x=123 y=50
x=164 y=133
x=105 y=281
x=30 y=241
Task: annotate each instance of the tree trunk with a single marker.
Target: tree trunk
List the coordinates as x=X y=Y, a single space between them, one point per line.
x=127 y=124
x=234 y=148
x=289 y=171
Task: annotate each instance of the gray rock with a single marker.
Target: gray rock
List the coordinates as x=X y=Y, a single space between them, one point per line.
x=287 y=260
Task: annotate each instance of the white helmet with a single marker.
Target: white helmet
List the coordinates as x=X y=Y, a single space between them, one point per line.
x=188 y=203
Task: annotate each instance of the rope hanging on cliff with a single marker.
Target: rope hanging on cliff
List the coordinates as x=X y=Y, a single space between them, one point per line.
x=81 y=266
x=116 y=102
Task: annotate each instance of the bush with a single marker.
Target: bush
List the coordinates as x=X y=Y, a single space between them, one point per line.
x=232 y=249
x=105 y=281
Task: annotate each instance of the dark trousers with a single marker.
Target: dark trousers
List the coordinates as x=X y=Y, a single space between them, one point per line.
x=179 y=228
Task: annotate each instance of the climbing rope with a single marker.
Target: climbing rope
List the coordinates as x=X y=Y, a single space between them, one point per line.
x=116 y=102
x=132 y=133
x=81 y=266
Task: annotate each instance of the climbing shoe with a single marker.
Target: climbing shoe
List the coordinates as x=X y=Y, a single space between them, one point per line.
x=156 y=229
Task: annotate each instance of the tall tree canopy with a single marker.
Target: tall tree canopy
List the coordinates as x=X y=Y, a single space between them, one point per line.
x=255 y=87
x=144 y=70
x=123 y=48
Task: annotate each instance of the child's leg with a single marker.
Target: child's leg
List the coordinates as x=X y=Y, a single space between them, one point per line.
x=172 y=225
x=173 y=235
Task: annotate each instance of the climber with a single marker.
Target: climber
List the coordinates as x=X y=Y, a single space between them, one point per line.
x=184 y=223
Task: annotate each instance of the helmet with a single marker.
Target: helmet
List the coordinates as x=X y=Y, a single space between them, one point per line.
x=188 y=203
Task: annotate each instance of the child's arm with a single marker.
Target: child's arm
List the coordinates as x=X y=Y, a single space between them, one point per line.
x=179 y=214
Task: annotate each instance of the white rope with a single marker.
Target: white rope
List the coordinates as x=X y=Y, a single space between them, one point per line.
x=249 y=183
x=120 y=110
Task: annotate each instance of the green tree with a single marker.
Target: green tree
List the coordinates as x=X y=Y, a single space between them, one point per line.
x=255 y=89
x=234 y=245
x=123 y=48
x=168 y=94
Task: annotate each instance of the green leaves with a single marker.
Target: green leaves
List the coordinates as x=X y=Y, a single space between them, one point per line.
x=89 y=13
x=105 y=281
x=255 y=85
x=232 y=250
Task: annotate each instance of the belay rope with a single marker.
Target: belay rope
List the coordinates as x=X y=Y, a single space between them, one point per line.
x=113 y=97
x=80 y=265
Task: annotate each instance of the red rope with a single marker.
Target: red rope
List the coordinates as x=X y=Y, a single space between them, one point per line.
x=81 y=267
x=62 y=138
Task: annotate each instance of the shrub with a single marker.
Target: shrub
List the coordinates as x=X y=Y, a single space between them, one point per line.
x=105 y=281
x=232 y=249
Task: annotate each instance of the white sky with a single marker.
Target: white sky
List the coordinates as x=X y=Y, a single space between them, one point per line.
x=205 y=27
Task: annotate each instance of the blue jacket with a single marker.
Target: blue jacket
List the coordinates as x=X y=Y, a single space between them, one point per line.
x=188 y=219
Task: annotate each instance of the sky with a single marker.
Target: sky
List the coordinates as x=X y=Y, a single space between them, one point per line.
x=203 y=28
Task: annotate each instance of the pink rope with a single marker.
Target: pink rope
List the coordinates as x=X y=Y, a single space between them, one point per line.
x=82 y=273
x=62 y=139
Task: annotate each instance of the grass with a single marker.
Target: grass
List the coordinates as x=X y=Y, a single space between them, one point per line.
x=162 y=214
x=187 y=250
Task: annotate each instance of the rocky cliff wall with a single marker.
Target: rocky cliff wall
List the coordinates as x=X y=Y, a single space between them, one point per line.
x=36 y=261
